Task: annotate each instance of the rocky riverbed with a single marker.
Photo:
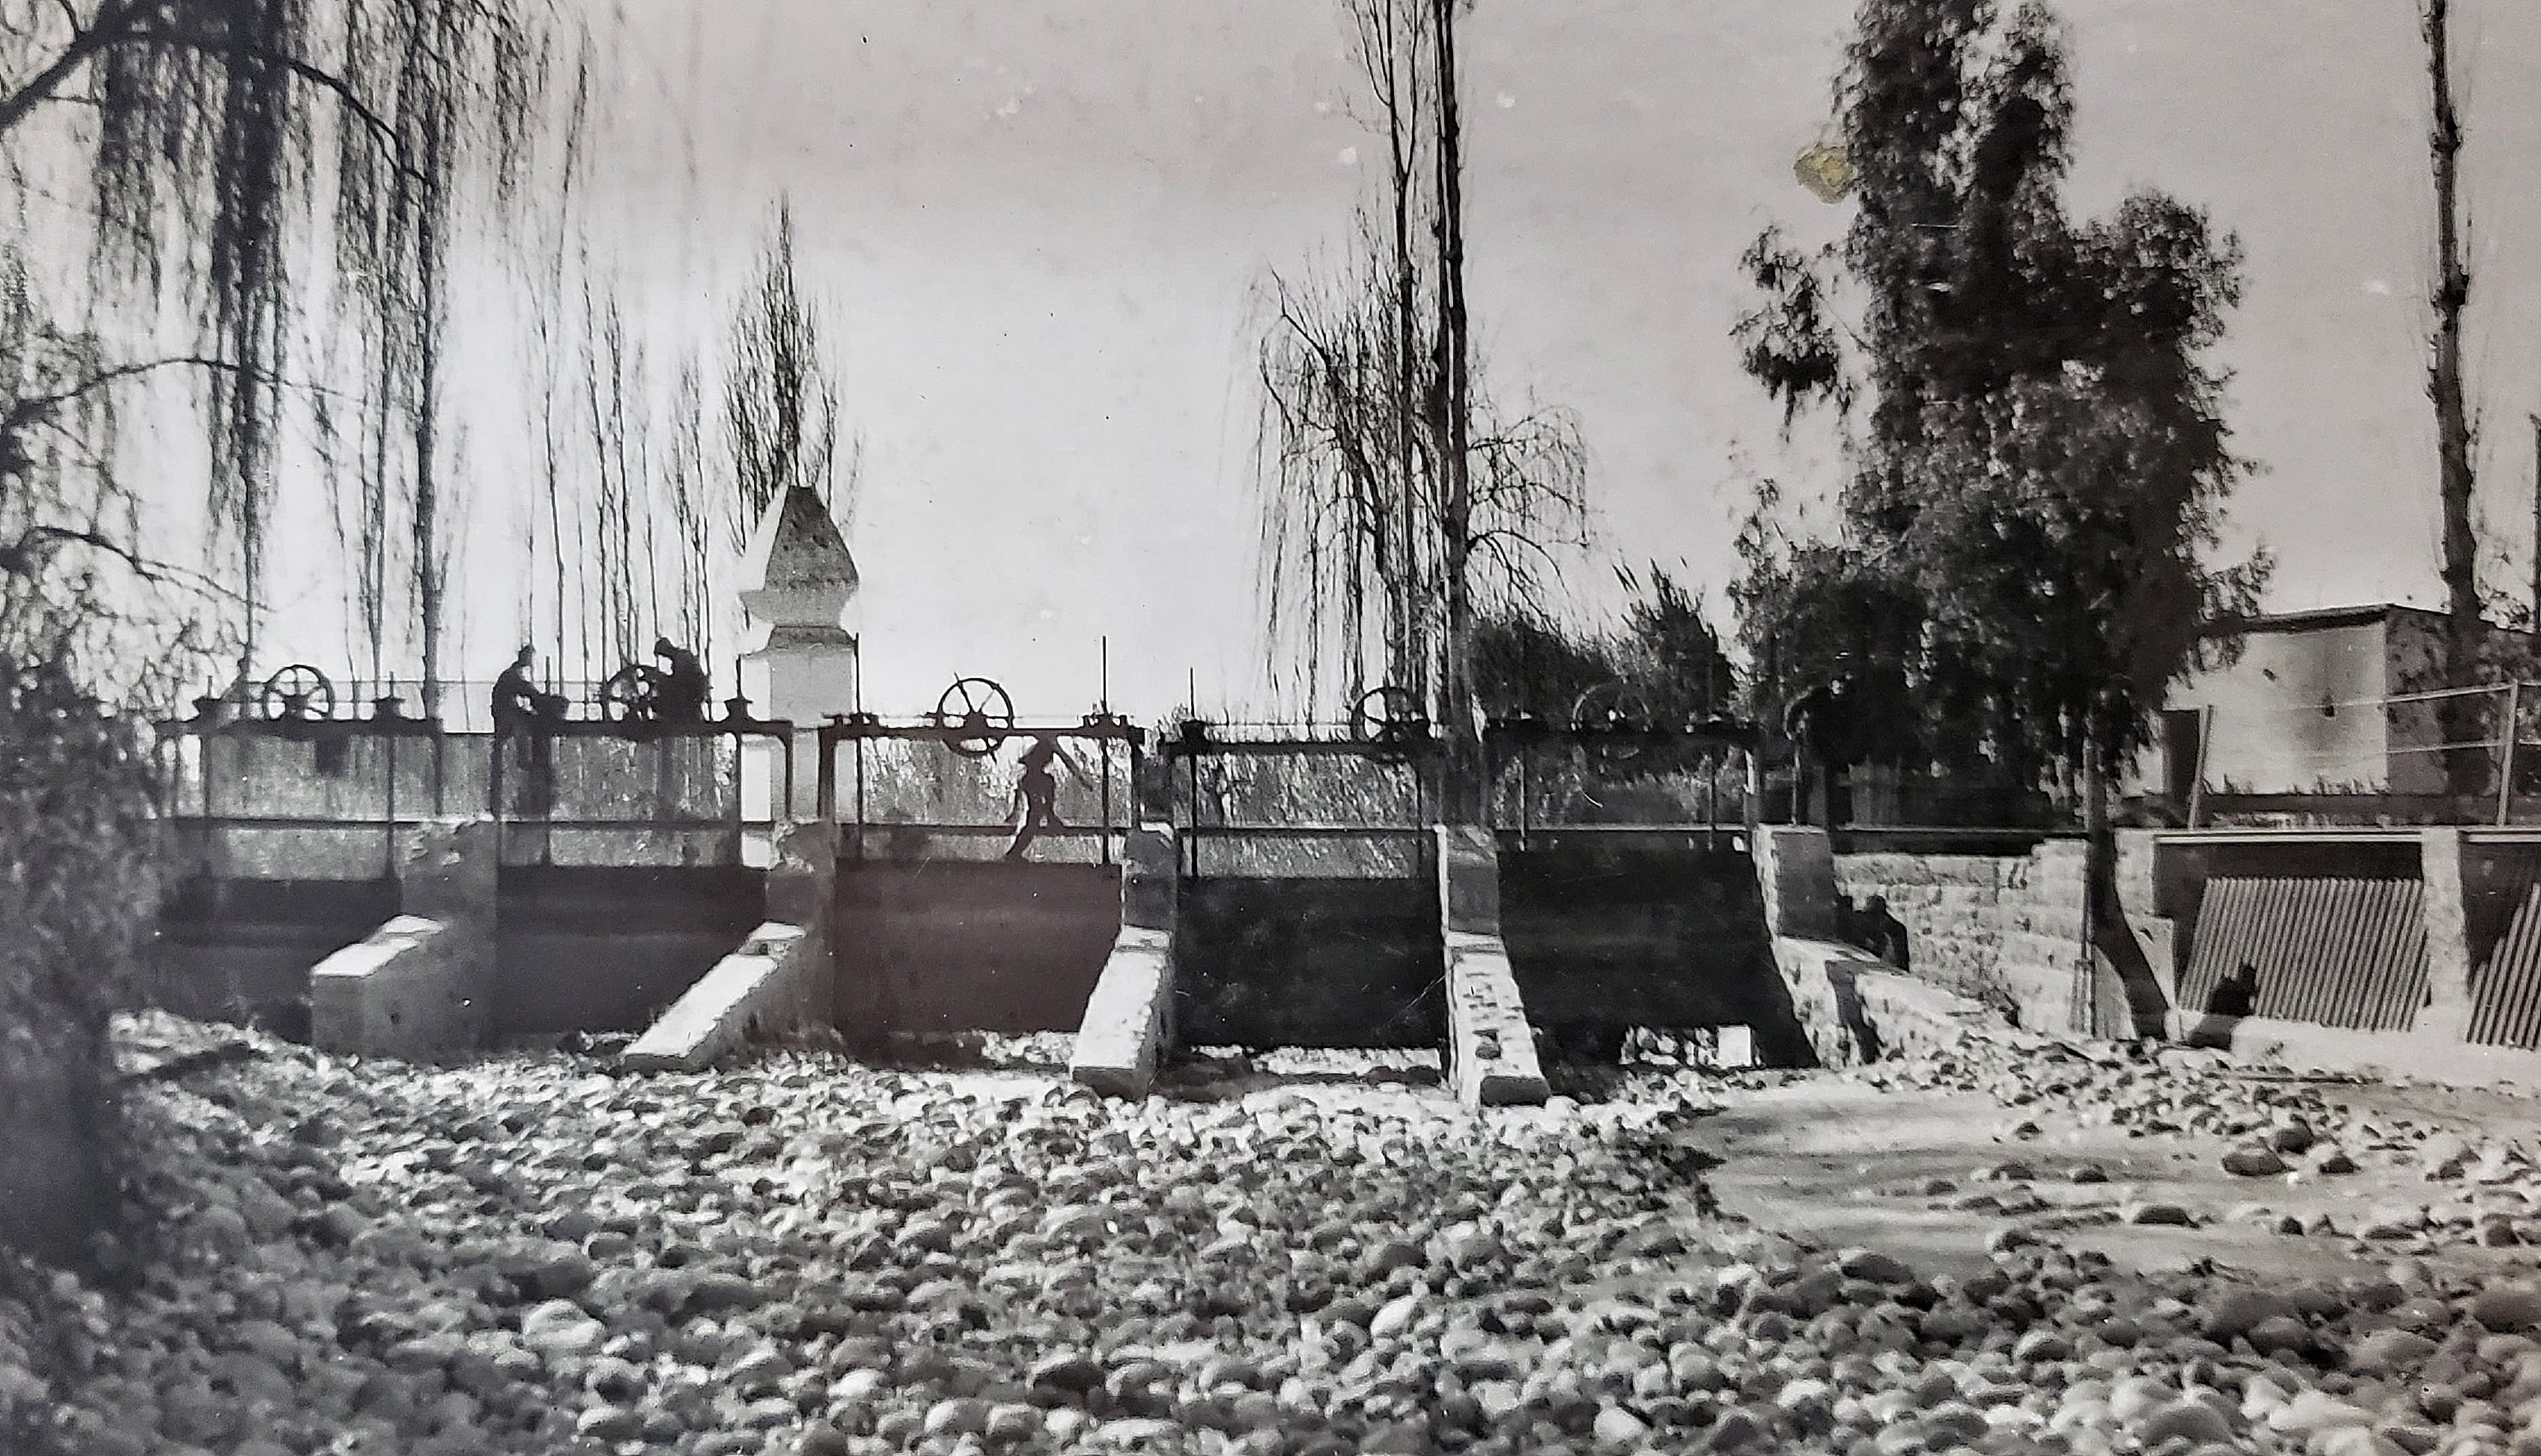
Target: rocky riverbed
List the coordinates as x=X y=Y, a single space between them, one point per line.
x=802 y=1255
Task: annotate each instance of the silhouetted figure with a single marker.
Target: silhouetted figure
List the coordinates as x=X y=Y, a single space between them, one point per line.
x=1038 y=789
x=525 y=715
x=2234 y=996
x=681 y=694
x=516 y=698
x=1819 y=725
x=1884 y=935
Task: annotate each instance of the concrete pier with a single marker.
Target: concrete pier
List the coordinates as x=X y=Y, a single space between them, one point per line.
x=1490 y=1049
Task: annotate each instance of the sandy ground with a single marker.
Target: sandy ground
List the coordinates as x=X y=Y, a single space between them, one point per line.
x=1827 y=1158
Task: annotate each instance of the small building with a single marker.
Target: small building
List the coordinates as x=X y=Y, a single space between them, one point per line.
x=2331 y=702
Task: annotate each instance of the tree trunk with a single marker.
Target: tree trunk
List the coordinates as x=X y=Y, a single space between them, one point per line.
x=1401 y=144
x=2464 y=766
x=1464 y=787
x=2108 y=939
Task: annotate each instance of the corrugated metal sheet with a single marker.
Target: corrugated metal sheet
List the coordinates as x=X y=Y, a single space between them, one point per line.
x=2334 y=952
x=2506 y=988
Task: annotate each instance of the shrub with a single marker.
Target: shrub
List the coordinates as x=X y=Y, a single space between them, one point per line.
x=78 y=893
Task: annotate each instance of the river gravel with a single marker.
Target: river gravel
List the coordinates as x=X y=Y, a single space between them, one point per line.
x=803 y=1255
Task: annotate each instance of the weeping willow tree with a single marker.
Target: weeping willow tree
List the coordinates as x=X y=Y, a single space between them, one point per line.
x=235 y=159
x=227 y=173
x=1400 y=504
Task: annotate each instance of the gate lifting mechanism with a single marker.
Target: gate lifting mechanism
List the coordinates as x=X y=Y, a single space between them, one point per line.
x=974 y=718
x=1619 y=736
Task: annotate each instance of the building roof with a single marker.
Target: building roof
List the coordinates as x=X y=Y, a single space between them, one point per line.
x=2319 y=619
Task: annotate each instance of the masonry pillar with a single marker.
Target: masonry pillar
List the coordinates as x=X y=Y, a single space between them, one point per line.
x=1490 y=1046
x=1128 y=1025
x=1796 y=870
x=2444 y=913
x=806 y=667
x=802 y=891
x=447 y=872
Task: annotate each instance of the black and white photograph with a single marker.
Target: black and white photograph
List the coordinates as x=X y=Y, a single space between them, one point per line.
x=1270 y=727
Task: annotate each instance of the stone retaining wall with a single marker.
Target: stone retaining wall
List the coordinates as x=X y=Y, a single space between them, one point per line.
x=2004 y=930
x=1856 y=1009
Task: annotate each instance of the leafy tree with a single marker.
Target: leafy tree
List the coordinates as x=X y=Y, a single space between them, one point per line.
x=1525 y=664
x=2037 y=452
x=1672 y=649
x=2036 y=445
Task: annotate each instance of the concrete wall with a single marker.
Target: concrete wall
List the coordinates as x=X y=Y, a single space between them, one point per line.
x=1606 y=934
x=953 y=945
x=241 y=950
x=1281 y=961
x=609 y=949
x=365 y=777
x=233 y=948
x=2269 y=734
x=2007 y=929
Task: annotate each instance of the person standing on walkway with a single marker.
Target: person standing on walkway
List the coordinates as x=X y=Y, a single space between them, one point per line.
x=1037 y=792
x=1818 y=722
x=523 y=714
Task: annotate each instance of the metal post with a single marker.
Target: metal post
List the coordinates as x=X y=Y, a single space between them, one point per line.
x=2197 y=790
x=860 y=798
x=1525 y=796
x=825 y=774
x=2506 y=769
x=740 y=833
x=784 y=741
x=1710 y=801
x=388 y=852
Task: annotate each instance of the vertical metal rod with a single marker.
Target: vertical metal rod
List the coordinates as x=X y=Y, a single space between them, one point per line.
x=388 y=850
x=2506 y=769
x=741 y=746
x=860 y=766
x=825 y=775
x=1710 y=800
x=2197 y=790
x=785 y=742
x=1105 y=709
x=1525 y=797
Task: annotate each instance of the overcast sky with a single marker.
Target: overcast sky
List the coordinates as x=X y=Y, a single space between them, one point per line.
x=1039 y=226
